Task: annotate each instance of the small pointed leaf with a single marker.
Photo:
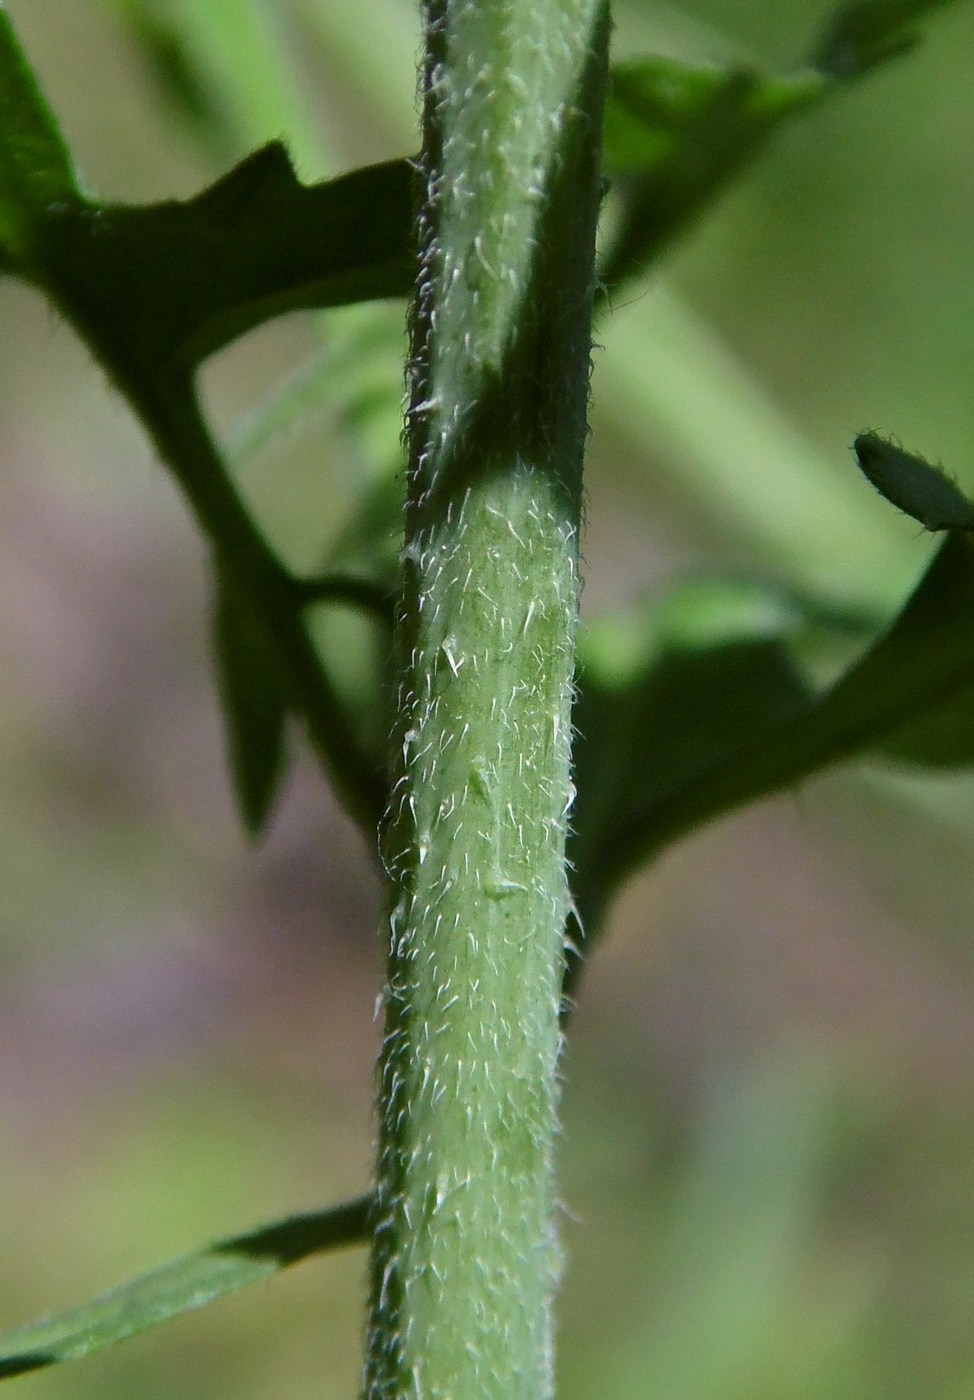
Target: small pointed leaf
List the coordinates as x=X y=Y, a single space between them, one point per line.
x=35 y=169
x=913 y=485
x=862 y=33
x=253 y=707
x=180 y=1286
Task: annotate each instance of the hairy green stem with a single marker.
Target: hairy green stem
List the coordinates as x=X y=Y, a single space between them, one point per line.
x=465 y=1258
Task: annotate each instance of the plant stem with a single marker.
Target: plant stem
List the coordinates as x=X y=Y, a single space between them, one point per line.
x=465 y=1259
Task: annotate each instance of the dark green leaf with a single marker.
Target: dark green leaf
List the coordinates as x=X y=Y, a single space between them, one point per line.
x=675 y=136
x=913 y=485
x=253 y=707
x=945 y=736
x=943 y=739
x=669 y=700
x=181 y=1286
x=159 y=287
x=36 y=174
x=866 y=32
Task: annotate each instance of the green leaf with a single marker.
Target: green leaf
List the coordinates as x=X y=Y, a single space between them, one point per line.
x=866 y=32
x=943 y=739
x=181 y=1286
x=675 y=135
x=253 y=707
x=922 y=665
x=171 y=63
x=912 y=485
x=155 y=288
x=158 y=287
x=36 y=173
x=228 y=69
x=751 y=728
x=664 y=698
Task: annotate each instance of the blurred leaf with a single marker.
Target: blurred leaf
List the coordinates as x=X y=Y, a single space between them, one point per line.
x=181 y=1286
x=226 y=69
x=677 y=134
x=348 y=385
x=866 y=32
x=665 y=699
x=35 y=167
x=710 y=730
x=169 y=58
x=253 y=707
x=943 y=739
x=164 y=285
x=370 y=540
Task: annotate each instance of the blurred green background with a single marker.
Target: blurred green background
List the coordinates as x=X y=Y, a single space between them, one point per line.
x=768 y=1158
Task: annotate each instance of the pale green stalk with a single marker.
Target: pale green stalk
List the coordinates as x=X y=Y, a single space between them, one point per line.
x=465 y=1260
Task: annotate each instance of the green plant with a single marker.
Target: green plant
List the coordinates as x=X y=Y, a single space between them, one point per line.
x=695 y=708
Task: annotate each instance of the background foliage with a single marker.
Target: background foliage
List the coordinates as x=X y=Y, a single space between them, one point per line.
x=768 y=1123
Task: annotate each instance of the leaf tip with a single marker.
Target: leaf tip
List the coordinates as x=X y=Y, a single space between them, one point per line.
x=912 y=484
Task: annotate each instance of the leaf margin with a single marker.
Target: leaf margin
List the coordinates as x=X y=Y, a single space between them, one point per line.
x=183 y=1285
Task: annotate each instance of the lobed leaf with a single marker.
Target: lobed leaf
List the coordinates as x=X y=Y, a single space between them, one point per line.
x=180 y=1286
x=159 y=287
